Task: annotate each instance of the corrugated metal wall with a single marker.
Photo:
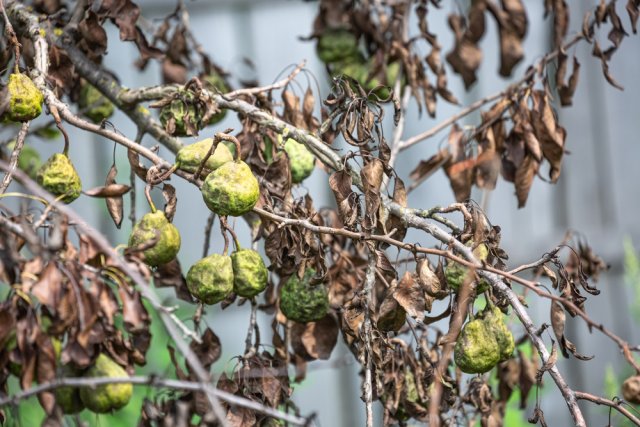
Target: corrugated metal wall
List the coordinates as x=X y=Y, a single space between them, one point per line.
x=597 y=193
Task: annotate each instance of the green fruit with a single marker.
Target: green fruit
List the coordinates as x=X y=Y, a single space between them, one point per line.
x=182 y=116
x=250 y=275
x=336 y=46
x=303 y=302
x=94 y=104
x=456 y=273
x=25 y=100
x=232 y=189
x=210 y=280
x=106 y=397
x=494 y=321
x=29 y=160
x=476 y=350
x=217 y=82
x=190 y=157
x=59 y=177
x=301 y=160
x=151 y=226
x=68 y=398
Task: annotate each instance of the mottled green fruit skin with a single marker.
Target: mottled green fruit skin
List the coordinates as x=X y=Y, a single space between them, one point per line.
x=106 y=397
x=168 y=243
x=476 y=350
x=232 y=189
x=210 y=280
x=94 y=104
x=68 y=398
x=25 y=100
x=494 y=320
x=29 y=160
x=301 y=160
x=182 y=110
x=250 y=275
x=456 y=273
x=336 y=46
x=215 y=81
x=58 y=176
x=302 y=302
x=190 y=157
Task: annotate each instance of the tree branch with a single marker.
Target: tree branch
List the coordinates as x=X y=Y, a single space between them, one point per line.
x=617 y=405
x=15 y=155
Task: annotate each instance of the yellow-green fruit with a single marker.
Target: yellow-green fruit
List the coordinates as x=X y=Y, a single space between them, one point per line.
x=216 y=81
x=210 y=280
x=476 y=350
x=494 y=320
x=94 y=104
x=59 y=177
x=29 y=160
x=68 y=398
x=181 y=117
x=303 y=302
x=301 y=160
x=456 y=273
x=154 y=226
x=631 y=389
x=190 y=157
x=106 y=397
x=250 y=275
x=336 y=46
x=232 y=189
x=25 y=100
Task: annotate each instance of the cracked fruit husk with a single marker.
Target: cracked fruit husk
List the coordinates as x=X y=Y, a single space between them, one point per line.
x=106 y=397
x=302 y=301
x=182 y=117
x=337 y=45
x=151 y=226
x=29 y=160
x=456 y=273
x=59 y=177
x=232 y=189
x=301 y=160
x=210 y=280
x=477 y=350
x=631 y=389
x=494 y=320
x=190 y=157
x=25 y=100
x=67 y=397
x=250 y=275
x=216 y=81
x=94 y=104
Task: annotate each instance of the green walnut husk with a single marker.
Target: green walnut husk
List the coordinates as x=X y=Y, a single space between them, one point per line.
x=477 y=350
x=190 y=157
x=94 y=104
x=182 y=117
x=29 y=160
x=250 y=275
x=25 y=100
x=303 y=302
x=59 y=177
x=217 y=82
x=232 y=189
x=68 y=398
x=494 y=320
x=210 y=280
x=337 y=45
x=359 y=71
x=301 y=160
x=106 y=397
x=456 y=273
x=147 y=229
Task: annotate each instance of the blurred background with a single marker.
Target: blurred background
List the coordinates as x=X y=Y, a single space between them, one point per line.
x=597 y=194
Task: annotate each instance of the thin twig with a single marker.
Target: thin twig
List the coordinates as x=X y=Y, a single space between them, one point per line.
x=15 y=154
x=277 y=85
x=617 y=405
